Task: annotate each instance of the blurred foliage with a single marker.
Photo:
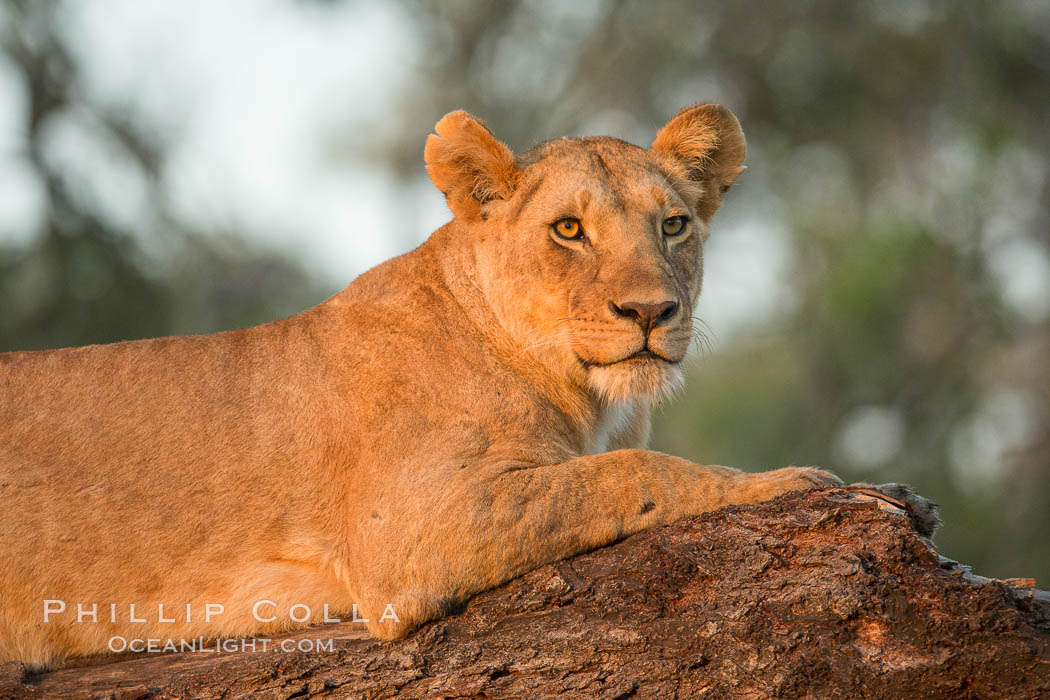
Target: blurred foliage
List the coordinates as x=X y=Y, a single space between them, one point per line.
x=85 y=279
x=899 y=149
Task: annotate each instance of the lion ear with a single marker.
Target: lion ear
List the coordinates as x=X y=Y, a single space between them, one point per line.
x=468 y=164
x=707 y=142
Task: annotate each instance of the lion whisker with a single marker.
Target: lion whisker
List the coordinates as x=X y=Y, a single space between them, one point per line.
x=705 y=324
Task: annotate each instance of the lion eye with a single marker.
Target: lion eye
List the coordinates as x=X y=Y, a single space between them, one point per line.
x=674 y=225
x=568 y=229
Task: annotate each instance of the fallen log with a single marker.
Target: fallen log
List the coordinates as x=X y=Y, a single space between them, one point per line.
x=827 y=593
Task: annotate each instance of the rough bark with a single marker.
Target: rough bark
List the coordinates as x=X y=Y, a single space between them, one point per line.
x=822 y=594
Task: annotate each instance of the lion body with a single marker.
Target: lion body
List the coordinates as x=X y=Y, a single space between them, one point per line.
x=425 y=434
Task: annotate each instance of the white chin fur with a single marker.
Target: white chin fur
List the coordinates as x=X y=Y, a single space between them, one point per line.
x=633 y=380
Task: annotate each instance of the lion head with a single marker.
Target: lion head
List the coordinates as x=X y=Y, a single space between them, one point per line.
x=590 y=250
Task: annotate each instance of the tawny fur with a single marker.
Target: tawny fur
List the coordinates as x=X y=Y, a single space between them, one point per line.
x=419 y=437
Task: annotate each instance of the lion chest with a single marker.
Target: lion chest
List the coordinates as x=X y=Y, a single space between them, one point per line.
x=613 y=420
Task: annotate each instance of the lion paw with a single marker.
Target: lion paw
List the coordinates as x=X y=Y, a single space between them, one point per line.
x=767 y=485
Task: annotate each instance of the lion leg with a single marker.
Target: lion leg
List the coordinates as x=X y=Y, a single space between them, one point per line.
x=503 y=519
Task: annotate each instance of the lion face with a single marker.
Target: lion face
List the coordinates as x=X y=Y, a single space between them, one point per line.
x=599 y=258
x=590 y=250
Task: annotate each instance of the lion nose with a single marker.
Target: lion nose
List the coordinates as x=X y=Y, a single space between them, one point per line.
x=647 y=316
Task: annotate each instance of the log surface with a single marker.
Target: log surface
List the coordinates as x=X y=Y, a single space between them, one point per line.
x=822 y=593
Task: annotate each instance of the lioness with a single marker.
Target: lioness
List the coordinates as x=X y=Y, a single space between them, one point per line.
x=455 y=417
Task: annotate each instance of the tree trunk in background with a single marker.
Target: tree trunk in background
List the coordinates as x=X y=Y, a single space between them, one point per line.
x=823 y=593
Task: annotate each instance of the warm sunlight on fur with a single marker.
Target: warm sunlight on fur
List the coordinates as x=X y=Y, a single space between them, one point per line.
x=649 y=380
x=590 y=308
x=455 y=417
